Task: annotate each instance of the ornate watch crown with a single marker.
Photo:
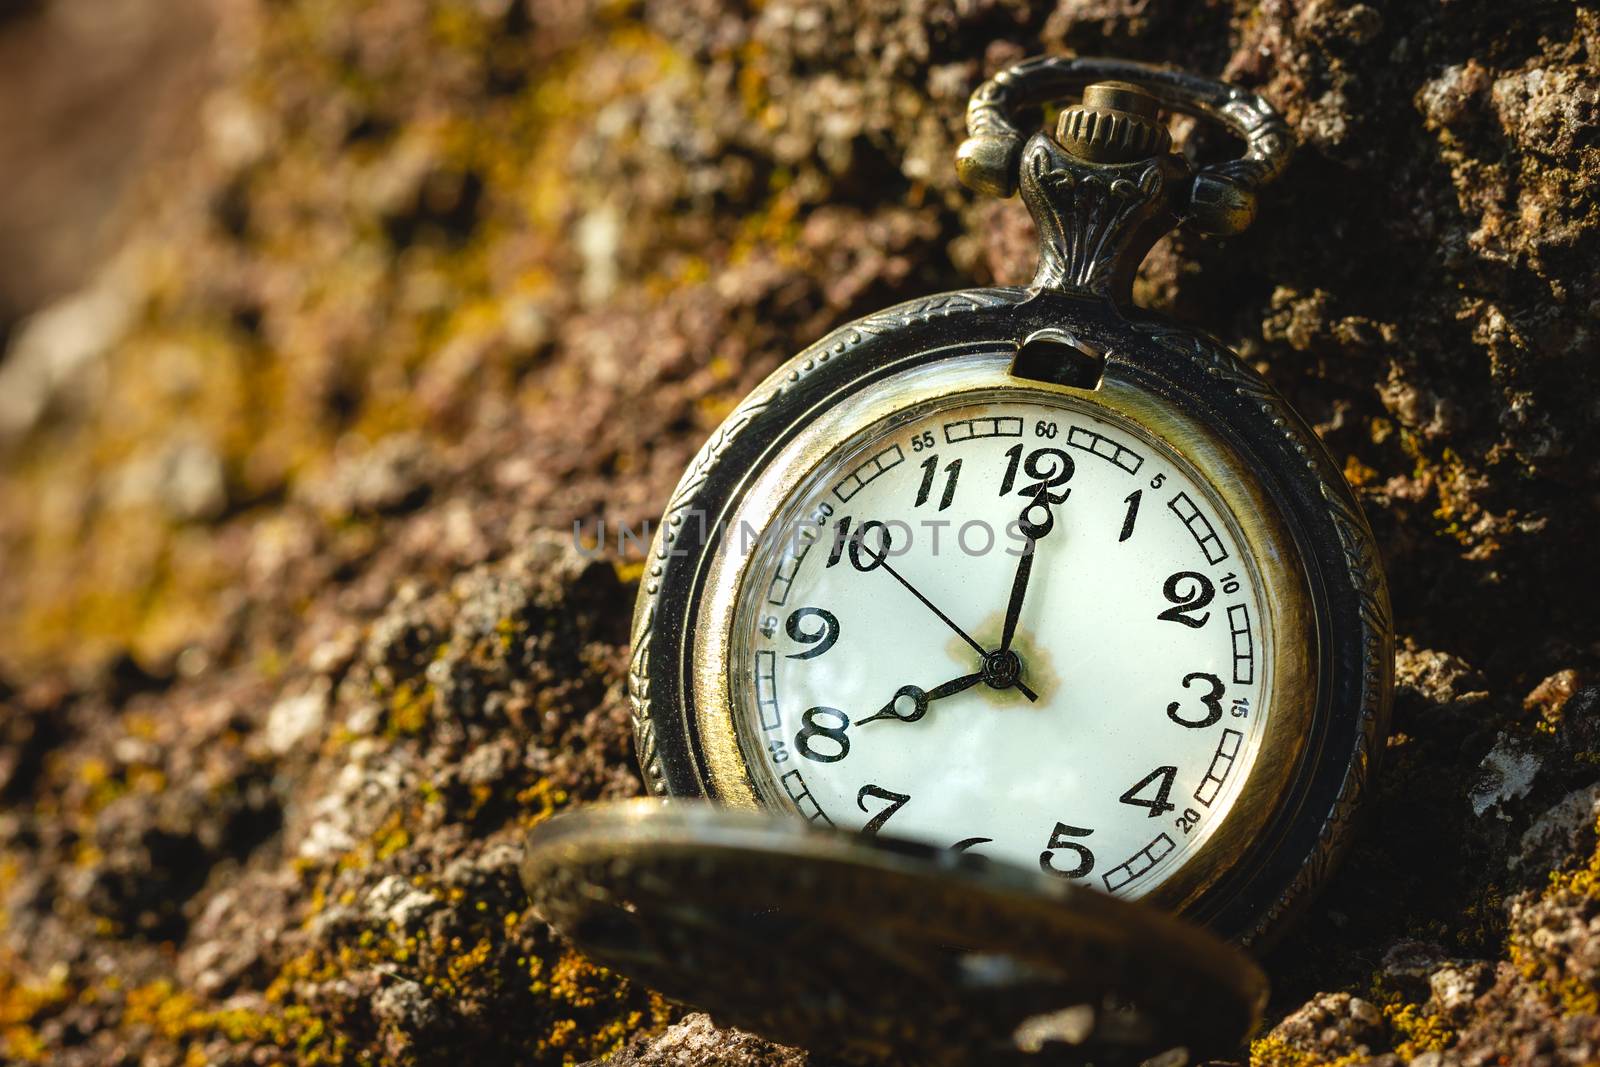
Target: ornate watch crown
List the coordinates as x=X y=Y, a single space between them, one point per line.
x=1115 y=123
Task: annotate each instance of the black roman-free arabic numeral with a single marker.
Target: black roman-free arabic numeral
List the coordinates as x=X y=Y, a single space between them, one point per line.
x=869 y=559
x=1185 y=603
x=895 y=800
x=1158 y=804
x=1212 y=701
x=1061 y=841
x=1013 y=460
x=1132 y=500
x=930 y=466
x=823 y=638
x=834 y=735
x=1047 y=467
x=841 y=539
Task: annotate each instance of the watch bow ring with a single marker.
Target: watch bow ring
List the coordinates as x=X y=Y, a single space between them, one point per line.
x=1221 y=196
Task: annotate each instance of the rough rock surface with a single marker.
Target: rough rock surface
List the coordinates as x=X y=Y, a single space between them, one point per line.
x=293 y=639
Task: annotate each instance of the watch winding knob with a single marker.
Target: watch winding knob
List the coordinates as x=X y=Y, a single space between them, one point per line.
x=1116 y=122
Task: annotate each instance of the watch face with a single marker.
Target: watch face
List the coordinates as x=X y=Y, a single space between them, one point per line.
x=1007 y=623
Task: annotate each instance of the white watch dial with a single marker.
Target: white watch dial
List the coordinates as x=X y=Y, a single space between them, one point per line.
x=903 y=666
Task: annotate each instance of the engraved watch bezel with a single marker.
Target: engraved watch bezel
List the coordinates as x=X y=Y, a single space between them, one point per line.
x=1187 y=391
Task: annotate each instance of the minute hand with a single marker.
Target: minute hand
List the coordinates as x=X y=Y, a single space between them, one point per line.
x=883 y=561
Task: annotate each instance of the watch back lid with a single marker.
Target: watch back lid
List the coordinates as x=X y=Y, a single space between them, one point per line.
x=883 y=951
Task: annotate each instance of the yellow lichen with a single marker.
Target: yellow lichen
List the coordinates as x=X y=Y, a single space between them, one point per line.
x=23 y=1005
x=181 y=1019
x=409 y=708
x=539 y=801
x=575 y=982
x=505 y=631
x=1358 y=473
x=1582 y=881
x=630 y=571
x=1274 y=1051
x=1420 y=1031
x=23 y=1044
x=1576 y=994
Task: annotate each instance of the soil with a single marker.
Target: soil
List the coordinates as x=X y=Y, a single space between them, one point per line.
x=294 y=639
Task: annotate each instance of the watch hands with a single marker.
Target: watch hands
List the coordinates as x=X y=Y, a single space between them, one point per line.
x=1035 y=532
x=882 y=560
x=920 y=699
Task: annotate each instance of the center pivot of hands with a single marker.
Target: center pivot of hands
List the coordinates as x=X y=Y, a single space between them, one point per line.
x=1001 y=669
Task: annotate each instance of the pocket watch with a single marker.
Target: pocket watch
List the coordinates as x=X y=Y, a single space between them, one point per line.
x=1053 y=628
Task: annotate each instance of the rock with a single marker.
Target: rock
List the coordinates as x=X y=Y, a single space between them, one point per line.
x=58 y=347
x=599 y=236
x=394 y=901
x=1411 y=960
x=1332 y=1025
x=1456 y=986
x=293 y=718
x=1507 y=774
x=1552 y=694
x=695 y=1039
x=404 y=1007
x=332 y=656
x=1444 y=681
x=185 y=480
x=1563 y=832
x=392 y=474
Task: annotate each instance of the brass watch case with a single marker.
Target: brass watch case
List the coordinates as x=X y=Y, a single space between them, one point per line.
x=1329 y=674
x=1097 y=214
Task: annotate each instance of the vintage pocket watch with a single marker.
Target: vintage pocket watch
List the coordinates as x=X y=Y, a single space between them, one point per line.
x=1048 y=599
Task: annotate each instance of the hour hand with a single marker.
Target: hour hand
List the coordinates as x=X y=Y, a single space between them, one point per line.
x=910 y=702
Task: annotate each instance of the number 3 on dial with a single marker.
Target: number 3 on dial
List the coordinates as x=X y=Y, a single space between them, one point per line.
x=1059 y=841
x=1212 y=701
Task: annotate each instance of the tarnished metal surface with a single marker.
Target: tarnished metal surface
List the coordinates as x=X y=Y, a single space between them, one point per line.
x=883 y=951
